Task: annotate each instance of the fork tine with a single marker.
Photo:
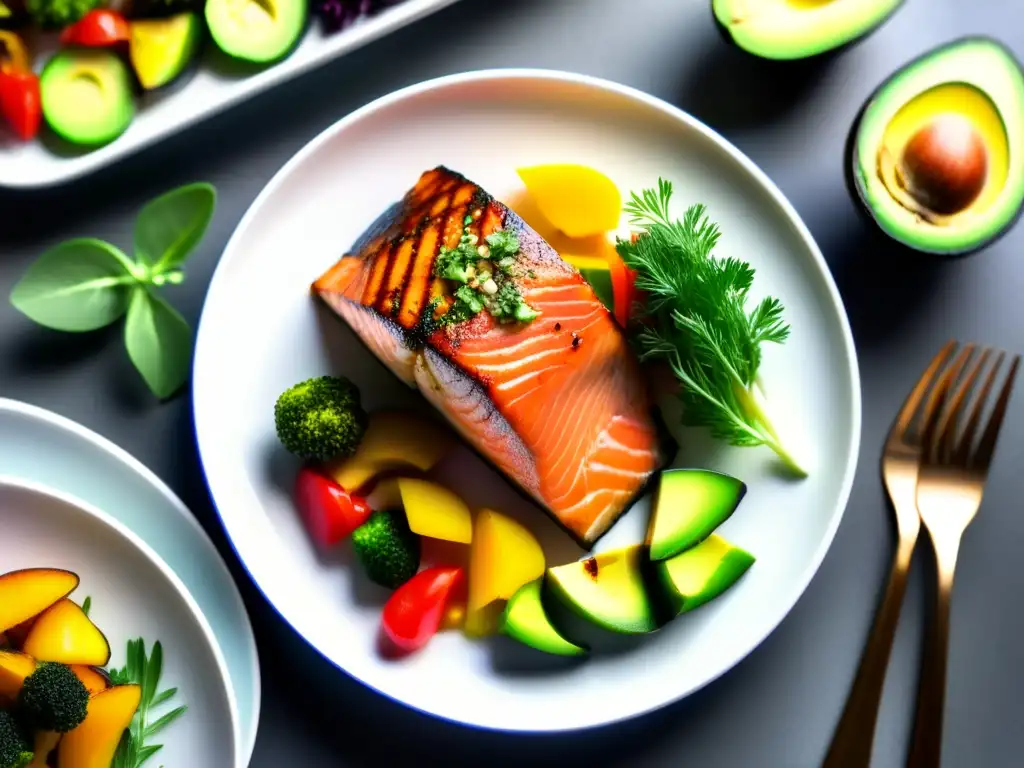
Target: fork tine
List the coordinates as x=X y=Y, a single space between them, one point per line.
x=987 y=446
x=963 y=448
x=910 y=406
x=946 y=430
x=933 y=411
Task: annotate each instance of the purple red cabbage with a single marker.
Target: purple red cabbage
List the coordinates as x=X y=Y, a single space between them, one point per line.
x=336 y=15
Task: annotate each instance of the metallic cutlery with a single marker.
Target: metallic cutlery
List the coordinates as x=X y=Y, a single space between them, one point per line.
x=901 y=457
x=950 y=483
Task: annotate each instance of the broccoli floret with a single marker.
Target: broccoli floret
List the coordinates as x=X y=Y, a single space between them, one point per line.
x=15 y=751
x=50 y=14
x=388 y=551
x=53 y=698
x=320 y=418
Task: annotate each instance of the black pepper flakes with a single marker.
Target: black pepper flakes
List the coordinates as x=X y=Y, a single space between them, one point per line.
x=558 y=326
x=576 y=340
x=590 y=566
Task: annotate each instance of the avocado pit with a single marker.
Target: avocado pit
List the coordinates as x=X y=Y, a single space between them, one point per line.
x=944 y=165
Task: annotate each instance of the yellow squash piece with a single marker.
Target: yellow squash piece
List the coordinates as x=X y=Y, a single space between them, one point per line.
x=14 y=668
x=64 y=633
x=434 y=511
x=576 y=199
x=485 y=621
x=393 y=440
x=503 y=556
x=93 y=680
x=24 y=594
x=93 y=743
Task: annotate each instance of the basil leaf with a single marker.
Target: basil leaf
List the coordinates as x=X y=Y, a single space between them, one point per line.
x=79 y=285
x=168 y=228
x=159 y=342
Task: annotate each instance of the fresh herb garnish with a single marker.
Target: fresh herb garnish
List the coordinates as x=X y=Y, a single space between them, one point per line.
x=86 y=605
x=85 y=284
x=134 y=749
x=485 y=275
x=695 y=319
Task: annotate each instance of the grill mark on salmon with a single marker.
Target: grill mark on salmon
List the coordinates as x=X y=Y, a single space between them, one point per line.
x=557 y=405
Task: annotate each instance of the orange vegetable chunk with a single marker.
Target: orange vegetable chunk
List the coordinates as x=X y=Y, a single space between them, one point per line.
x=93 y=743
x=93 y=680
x=26 y=593
x=14 y=668
x=64 y=633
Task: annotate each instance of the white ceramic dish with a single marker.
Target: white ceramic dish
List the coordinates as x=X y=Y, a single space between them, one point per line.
x=39 y=446
x=260 y=324
x=32 y=164
x=133 y=594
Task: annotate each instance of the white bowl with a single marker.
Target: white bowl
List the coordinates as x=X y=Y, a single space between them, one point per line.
x=133 y=594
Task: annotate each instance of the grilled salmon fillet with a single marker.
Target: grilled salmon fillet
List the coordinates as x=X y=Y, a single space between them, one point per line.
x=557 y=404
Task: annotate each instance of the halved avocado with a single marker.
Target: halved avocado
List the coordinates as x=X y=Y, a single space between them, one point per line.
x=260 y=31
x=688 y=506
x=160 y=50
x=798 y=29
x=607 y=589
x=87 y=95
x=526 y=621
x=700 y=574
x=932 y=152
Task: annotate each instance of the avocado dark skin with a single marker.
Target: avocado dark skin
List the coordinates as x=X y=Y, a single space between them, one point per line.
x=850 y=171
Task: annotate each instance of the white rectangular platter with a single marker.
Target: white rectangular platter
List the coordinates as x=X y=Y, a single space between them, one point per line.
x=33 y=164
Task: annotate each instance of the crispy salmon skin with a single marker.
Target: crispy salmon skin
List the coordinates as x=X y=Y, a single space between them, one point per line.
x=557 y=404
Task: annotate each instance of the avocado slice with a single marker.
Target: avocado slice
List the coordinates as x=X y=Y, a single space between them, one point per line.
x=607 y=589
x=798 y=29
x=700 y=574
x=932 y=150
x=160 y=50
x=259 y=31
x=597 y=272
x=86 y=95
x=526 y=621
x=688 y=505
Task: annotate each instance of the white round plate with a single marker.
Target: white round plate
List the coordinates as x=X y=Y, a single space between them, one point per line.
x=133 y=594
x=261 y=326
x=43 y=447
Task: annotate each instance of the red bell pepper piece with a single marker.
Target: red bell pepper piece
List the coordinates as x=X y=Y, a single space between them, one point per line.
x=99 y=28
x=20 y=102
x=329 y=511
x=622 y=286
x=413 y=613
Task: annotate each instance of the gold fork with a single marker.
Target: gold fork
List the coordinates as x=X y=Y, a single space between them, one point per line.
x=949 y=490
x=854 y=736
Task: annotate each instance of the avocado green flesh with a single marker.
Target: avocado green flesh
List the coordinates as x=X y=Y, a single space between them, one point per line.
x=600 y=279
x=689 y=505
x=797 y=29
x=608 y=590
x=86 y=95
x=978 y=62
x=525 y=620
x=259 y=31
x=161 y=49
x=691 y=579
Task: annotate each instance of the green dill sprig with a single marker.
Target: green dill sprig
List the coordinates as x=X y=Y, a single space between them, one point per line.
x=694 y=318
x=144 y=671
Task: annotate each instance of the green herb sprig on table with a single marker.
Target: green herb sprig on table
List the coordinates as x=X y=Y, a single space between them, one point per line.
x=85 y=284
x=142 y=670
x=695 y=319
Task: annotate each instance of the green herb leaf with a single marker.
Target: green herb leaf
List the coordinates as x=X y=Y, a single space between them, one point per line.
x=164 y=721
x=169 y=227
x=159 y=342
x=86 y=605
x=78 y=285
x=163 y=697
x=694 y=318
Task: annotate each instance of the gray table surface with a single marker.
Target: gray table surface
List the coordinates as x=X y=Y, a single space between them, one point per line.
x=779 y=706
